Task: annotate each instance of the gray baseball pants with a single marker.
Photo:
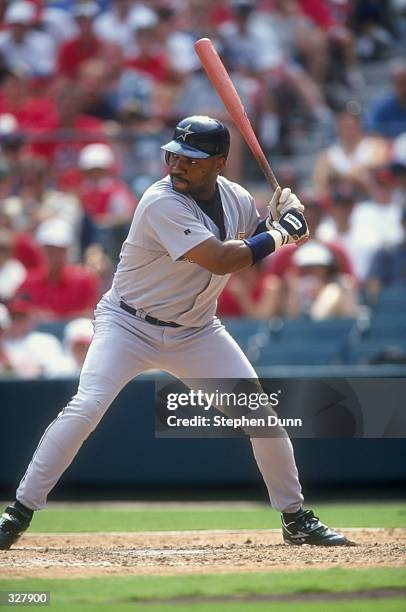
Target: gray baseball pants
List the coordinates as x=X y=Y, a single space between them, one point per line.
x=123 y=346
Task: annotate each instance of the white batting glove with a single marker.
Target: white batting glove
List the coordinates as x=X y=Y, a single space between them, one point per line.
x=288 y=200
x=292 y=227
x=282 y=201
x=272 y=208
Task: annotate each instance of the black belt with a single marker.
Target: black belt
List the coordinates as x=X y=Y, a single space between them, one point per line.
x=148 y=318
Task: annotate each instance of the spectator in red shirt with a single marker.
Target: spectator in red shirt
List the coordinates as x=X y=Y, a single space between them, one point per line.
x=71 y=130
x=219 y=12
x=319 y=11
x=85 y=46
x=149 y=58
x=93 y=80
x=26 y=250
x=332 y=19
x=34 y=113
x=59 y=290
x=250 y=293
x=106 y=199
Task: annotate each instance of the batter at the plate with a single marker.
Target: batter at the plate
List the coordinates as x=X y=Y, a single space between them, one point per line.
x=190 y=231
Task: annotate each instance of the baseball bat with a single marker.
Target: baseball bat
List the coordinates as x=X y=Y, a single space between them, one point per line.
x=223 y=85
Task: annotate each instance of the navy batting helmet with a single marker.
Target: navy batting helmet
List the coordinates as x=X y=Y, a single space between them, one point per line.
x=199 y=137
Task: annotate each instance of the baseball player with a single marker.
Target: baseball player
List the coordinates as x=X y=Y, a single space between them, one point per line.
x=189 y=232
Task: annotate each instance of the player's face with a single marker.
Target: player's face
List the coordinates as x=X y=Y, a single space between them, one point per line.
x=196 y=177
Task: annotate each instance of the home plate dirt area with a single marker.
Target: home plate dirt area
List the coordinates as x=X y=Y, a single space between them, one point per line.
x=192 y=552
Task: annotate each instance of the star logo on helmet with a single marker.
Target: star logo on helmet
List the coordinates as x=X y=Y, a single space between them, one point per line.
x=186 y=131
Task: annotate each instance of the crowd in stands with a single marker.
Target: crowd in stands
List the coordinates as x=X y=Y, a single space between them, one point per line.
x=90 y=90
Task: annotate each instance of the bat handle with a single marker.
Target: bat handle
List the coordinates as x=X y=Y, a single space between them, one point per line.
x=267 y=170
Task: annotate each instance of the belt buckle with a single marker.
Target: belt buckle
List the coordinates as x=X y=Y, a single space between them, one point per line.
x=141 y=313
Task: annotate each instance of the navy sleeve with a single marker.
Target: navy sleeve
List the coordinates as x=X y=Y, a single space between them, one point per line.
x=379 y=266
x=261 y=227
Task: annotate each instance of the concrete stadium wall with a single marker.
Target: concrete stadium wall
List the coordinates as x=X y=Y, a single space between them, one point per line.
x=123 y=451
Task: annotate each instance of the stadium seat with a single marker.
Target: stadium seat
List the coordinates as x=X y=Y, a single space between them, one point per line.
x=391 y=325
x=305 y=328
x=383 y=350
x=307 y=342
x=250 y=334
x=279 y=353
x=391 y=300
x=56 y=328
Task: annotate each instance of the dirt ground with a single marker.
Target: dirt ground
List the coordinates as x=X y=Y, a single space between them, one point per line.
x=194 y=552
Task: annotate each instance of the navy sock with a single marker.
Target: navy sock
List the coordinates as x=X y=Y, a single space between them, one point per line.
x=290 y=516
x=27 y=512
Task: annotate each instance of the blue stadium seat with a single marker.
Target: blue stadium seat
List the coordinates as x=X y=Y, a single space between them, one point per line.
x=279 y=353
x=307 y=342
x=244 y=331
x=250 y=334
x=391 y=300
x=390 y=325
x=56 y=328
x=367 y=350
x=305 y=328
x=241 y=326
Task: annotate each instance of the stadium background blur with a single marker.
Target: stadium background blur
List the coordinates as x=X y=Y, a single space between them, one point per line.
x=88 y=94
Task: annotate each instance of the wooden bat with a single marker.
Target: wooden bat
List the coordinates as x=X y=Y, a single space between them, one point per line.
x=223 y=85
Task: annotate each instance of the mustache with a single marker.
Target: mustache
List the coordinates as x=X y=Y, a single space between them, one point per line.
x=177 y=176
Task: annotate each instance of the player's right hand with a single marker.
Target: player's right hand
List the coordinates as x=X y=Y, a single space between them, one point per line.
x=293 y=227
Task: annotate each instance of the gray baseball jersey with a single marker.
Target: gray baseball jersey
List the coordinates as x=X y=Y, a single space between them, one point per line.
x=154 y=276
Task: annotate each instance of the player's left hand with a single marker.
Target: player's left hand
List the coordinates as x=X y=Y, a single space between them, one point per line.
x=292 y=226
x=282 y=201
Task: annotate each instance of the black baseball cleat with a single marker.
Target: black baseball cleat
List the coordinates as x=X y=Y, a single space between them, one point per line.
x=304 y=528
x=13 y=523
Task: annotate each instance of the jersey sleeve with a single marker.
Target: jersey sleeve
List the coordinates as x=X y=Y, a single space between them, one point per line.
x=175 y=226
x=253 y=218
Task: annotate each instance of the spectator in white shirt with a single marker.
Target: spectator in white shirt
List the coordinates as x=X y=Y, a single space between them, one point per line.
x=398 y=168
x=6 y=368
x=32 y=354
x=12 y=271
x=77 y=337
x=363 y=227
x=351 y=156
x=21 y=44
x=118 y=24
x=318 y=289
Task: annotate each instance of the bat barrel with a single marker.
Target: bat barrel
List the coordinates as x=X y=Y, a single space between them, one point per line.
x=225 y=89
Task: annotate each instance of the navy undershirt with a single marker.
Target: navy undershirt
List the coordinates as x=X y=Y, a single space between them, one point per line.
x=213 y=208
